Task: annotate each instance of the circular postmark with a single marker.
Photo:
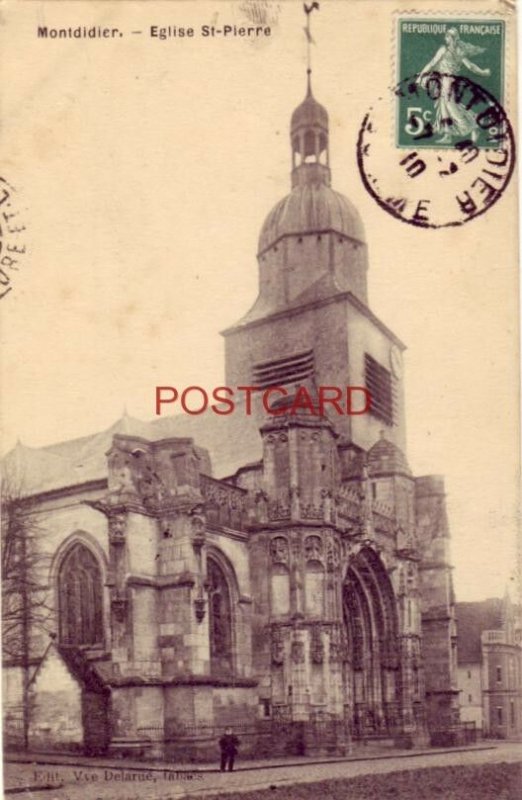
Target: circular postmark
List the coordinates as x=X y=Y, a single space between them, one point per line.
x=12 y=241
x=456 y=168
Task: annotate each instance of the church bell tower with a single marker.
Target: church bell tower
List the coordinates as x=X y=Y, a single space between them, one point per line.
x=311 y=324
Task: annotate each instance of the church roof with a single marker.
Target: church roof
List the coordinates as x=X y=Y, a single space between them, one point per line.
x=230 y=440
x=311 y=208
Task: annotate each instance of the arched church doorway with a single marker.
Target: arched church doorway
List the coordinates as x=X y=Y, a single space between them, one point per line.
x=371 y=670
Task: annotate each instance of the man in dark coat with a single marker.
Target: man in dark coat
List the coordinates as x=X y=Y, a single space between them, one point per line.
x=229 y=745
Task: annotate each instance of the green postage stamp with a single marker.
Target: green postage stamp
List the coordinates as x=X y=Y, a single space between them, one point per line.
x=436 y=59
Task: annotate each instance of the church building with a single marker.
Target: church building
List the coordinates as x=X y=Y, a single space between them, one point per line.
x=284 y=574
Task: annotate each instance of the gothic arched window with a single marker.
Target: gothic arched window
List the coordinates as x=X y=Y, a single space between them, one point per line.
x=80 y=598
x=219 y=619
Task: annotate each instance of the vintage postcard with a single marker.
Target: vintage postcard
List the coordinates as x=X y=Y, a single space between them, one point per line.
x=260 y=369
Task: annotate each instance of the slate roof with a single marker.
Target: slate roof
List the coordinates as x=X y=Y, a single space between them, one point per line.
x=231 y=441
x=308 y=209
x=472 y=619
x=385 y=456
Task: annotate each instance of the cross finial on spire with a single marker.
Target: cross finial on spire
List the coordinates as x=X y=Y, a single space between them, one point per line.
x=309 y=40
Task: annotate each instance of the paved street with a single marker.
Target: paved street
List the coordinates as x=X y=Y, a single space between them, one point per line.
x=155 y=782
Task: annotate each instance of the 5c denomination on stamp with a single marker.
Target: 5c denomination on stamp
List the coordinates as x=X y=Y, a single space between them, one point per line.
x=12 y=241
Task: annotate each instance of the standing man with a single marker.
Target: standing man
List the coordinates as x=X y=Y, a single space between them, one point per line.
x=229 y=745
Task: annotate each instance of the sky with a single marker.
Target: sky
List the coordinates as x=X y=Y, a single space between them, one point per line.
x=144 y=170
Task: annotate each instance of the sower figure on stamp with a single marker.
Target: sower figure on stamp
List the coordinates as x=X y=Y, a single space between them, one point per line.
x=451 y=117
x=229 y=745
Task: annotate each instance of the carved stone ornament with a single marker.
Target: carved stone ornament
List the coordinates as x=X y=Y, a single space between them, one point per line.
x=336 y=643
x=312 y=511
x=224 y=504
x=313 y=548
x=261 y=503
x=333 y=554
x=358 y=645
x=297 y=652
x=335 y=652
x=402 y=583
x=280 y=507
x=199 y=608
x=279 y=549
x=151 y=488
x=344 y=647
x=119 y=607
x=277 y=647
x=316 y=646
x=117 y=527
x=121 y=478
x=198 y=532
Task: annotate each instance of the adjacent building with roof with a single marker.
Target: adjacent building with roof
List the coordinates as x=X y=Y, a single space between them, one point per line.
x=490 y=666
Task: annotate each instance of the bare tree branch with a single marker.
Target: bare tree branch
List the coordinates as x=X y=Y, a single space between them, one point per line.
x=26 y=612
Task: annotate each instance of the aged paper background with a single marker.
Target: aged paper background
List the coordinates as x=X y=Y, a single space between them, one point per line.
x=144 y=170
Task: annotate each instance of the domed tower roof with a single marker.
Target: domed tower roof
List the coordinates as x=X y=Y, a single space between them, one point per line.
x=385 y=456
x=312 y=206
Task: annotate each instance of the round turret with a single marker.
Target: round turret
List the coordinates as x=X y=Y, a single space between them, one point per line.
x=309 y=114
x=385 y=457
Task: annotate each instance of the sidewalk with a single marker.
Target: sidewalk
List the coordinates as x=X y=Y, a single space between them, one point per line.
x=361 y=753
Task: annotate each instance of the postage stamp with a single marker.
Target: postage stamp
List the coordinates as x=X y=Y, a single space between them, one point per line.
x=433 y=53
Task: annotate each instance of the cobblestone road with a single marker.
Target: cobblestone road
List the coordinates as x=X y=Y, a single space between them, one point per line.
x=156 y=783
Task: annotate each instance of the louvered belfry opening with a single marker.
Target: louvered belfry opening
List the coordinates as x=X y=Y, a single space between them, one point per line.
x=379 y=382
x=293 y=369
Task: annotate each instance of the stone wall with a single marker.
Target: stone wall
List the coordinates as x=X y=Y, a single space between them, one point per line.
x=55 y=700
x=437 y=603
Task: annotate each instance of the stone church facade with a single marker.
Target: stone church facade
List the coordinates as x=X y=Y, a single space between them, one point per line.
x=285 y=574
